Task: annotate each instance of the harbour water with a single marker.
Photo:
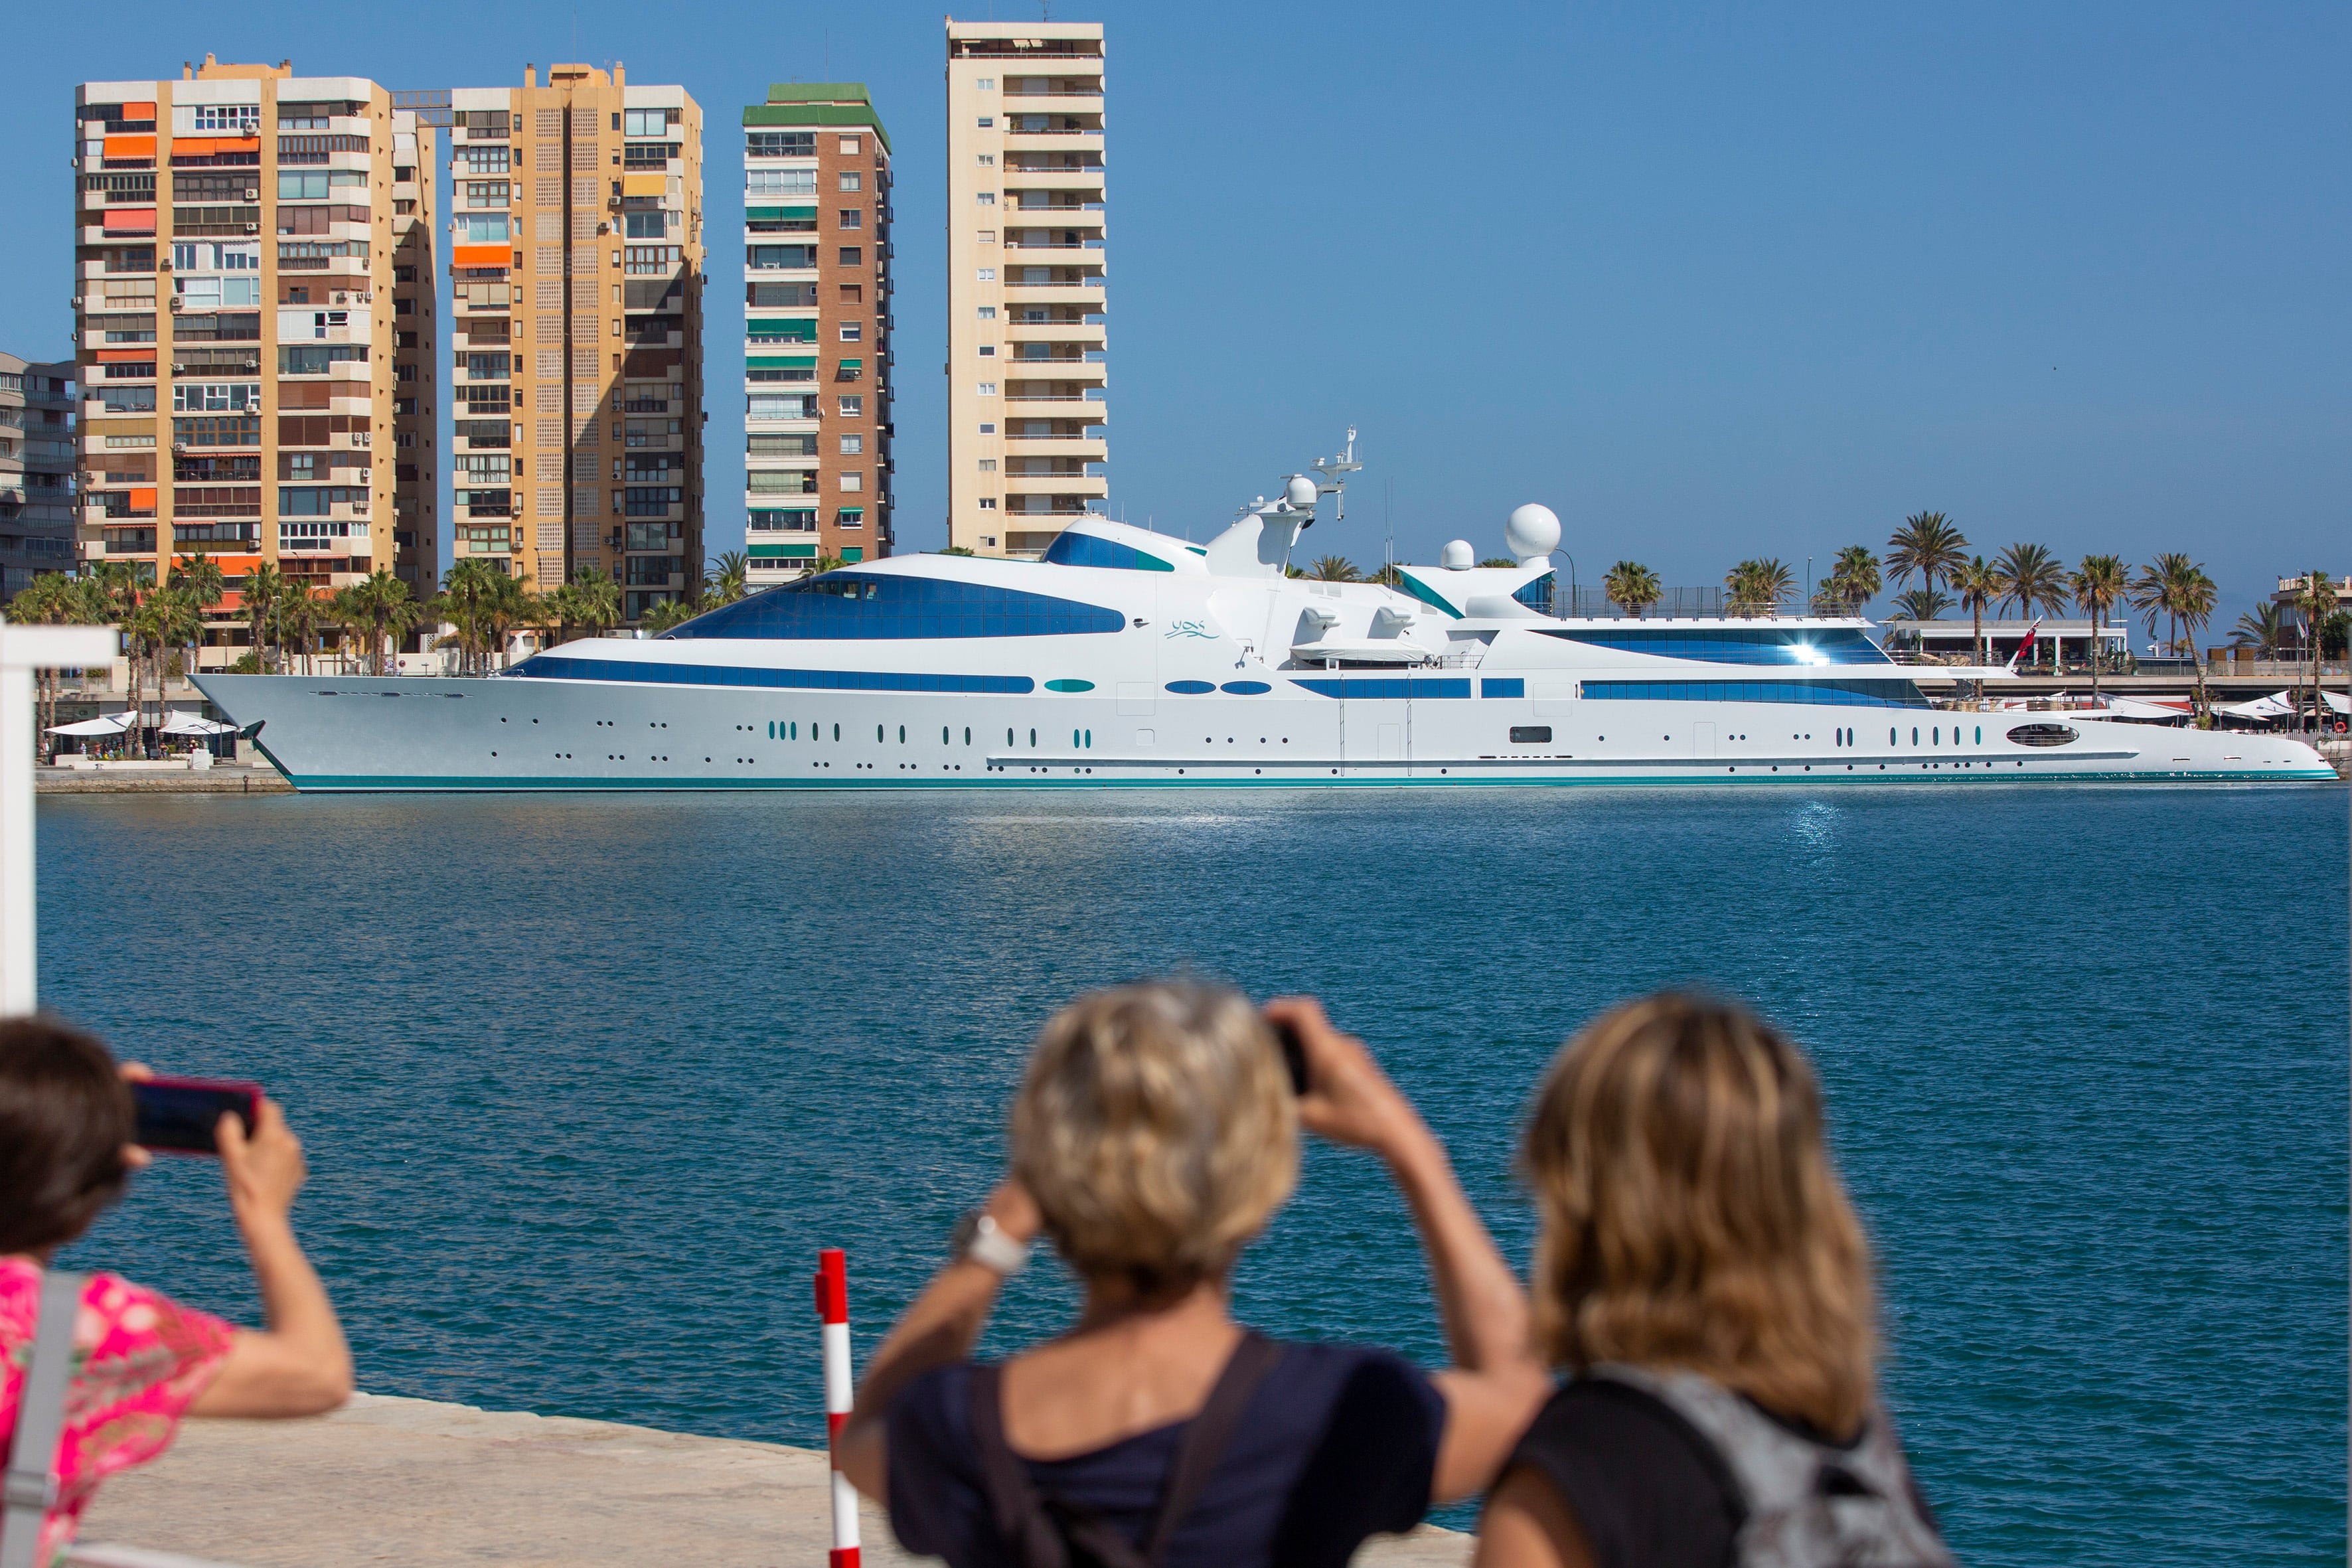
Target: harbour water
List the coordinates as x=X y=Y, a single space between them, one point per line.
x=586 y=1083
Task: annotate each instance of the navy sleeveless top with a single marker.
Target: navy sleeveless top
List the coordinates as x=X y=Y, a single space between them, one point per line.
x=1339 y=1443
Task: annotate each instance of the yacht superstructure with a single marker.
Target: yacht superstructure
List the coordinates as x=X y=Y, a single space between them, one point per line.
x=1128 y=658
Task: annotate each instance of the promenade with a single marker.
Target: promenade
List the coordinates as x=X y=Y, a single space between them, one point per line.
x=415 y=1482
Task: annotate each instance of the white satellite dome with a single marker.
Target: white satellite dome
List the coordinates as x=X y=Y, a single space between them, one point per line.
x=1457 y=555
x=1299 y=492
x=1532 y=531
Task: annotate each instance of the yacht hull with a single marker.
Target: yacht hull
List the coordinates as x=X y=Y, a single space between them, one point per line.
x=345 y=734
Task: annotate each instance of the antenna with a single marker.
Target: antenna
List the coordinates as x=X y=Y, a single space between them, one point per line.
x=1335 y=472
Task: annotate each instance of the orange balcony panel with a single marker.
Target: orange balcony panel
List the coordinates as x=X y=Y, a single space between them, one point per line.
x=130 y=220
x=137 y=111
x=125 y=356
x=142 y=501
x=480 y=255
x=205 y=146
x=130 y=146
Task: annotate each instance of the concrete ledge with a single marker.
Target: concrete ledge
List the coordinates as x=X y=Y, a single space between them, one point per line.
x=410 y=1481
x=226 y=779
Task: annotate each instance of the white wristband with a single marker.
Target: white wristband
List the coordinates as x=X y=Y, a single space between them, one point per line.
x=994 y=1250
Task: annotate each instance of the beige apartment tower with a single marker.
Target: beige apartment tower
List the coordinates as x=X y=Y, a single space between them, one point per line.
x=576 y=284
x=254 y=303
x=1027 y=431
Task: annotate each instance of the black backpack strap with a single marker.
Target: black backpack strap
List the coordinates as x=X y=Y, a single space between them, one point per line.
x=1205 y=1440
x=1020 y=1518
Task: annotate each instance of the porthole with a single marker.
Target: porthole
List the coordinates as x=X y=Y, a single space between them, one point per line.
x=1032 y=740
x=943 y=734
x=836 y=732
x=877 y=735
x=1530 y=734
x=966 y=734
x=1008 y=737
x=2043 y=736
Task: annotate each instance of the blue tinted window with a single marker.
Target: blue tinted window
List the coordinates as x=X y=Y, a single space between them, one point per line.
x=859 y=606
x=1072 y=548
x=1834 y=693
x=1189 y=687
x=1246 y=687
x=556 y=666
x=1516 y=687
x=1733 y=645
x=1392 y=687
x=1536 y=595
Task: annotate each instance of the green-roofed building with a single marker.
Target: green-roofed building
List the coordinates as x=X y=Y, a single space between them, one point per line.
x=816 y=329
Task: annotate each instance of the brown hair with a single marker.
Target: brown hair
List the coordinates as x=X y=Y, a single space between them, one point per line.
x=1156 y=1131
x=65 y=1115
x=1691 y=1218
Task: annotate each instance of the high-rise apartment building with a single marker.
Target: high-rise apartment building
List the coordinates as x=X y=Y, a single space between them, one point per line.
x=254 y=293
x=37 y=459
x=1026 y=324
x=816 y=329
x=576 y=287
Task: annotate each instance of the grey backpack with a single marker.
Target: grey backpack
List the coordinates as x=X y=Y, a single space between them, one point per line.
x=1808 y=1505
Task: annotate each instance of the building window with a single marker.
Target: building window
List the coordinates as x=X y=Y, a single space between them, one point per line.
x=853 y=407
x=647 y=121
x=988 y=503
x=779 y=183
x=852 y=446
x=236 y=119
x=988 y=389
x=849 y=145
x=781 y=143
x=988 y=123
x=852 y=180
x=987 y=429
x=852 y=332
x=852 y=256
x=852 y=217
x=988 y=350
x=985 y=198
x=988 y=160
x=988 y=275
x=853 y=481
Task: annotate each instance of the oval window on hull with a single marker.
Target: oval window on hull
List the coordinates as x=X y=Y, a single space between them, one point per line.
x=1189 y=687
x=2043 y=736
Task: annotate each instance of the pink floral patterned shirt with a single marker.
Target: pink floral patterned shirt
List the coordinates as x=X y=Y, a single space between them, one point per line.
x=140 y=1359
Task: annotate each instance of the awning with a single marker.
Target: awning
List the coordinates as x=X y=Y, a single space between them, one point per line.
x=480 y=255
x=104 y=725
x=803 y=328
x=179 y=724
x=777 y=215
x=130 y=146
x=782 y=551
x=130 y=220
x=780 y=361
x=2260 y=708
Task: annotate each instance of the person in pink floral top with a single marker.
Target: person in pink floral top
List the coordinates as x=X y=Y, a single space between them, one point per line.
x=140 y=1360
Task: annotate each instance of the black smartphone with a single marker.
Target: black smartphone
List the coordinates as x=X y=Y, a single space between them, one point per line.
x=1293 y=1052
x=178 y=1115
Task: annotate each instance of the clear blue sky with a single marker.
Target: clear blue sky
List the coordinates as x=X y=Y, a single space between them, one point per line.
x=1711 y=282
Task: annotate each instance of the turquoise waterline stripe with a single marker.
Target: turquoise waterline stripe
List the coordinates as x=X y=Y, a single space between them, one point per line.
x=555 y=666
x=332 y=784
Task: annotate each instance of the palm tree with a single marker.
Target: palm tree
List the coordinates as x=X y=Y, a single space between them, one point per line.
x=596 y=598
x=199 y=576
x=1927 y=544
x=734 y=577
x=49 y=601
x=264 y=585
x=2030 y=578
x=1388 y=576
x=1632 y=587
x=299 y=613
x=1855 y=578
x=2154 y=591
x=1979 y=584
x=2197 y=597
x=1335 y=569
x=665 y=614
x=2315 y=601
x=1756 y=586
x=466 y=588
x=1922 y=604
x=2263 y=631
x=507 y=608
x=2098 y=586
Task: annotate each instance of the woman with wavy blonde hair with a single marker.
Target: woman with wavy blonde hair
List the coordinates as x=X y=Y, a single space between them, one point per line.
x=1704 y=1281
x=1154 y=1135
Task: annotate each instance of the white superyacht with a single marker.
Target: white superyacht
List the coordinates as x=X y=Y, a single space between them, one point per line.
x=1130 y=659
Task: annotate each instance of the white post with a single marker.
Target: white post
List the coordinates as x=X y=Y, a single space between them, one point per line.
x=24 y=649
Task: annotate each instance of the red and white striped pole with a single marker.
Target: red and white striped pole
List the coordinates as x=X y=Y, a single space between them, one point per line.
x=833 y=1310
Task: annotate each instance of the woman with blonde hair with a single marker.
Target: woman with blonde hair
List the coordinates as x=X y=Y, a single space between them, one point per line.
x=1153 y=1136
x=1703 y=1278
